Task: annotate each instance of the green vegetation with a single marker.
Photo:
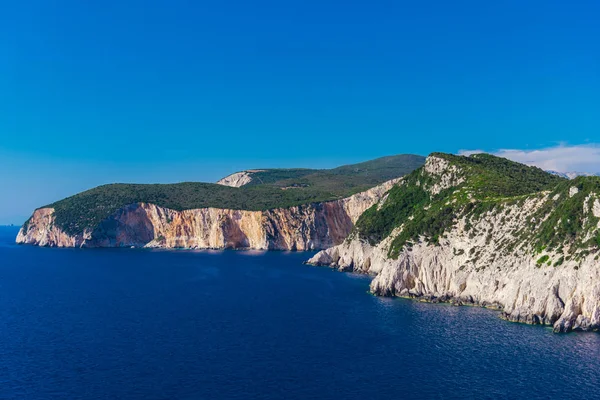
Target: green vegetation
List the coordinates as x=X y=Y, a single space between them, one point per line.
x=279 y=188
x=559 y=262
x=274 y=176
x=564 y=217
x=489 y=176
x=403 y=201
x=542 y=260
x=487 y=184
x=365 y=174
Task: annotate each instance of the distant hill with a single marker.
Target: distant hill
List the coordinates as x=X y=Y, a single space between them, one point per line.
x=370 y=172
x=571 y=174
x=266 y=189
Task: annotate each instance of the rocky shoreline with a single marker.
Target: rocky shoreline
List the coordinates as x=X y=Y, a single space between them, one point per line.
x=526 y=299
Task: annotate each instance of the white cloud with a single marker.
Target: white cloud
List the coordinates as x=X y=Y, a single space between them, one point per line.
x=562 y=158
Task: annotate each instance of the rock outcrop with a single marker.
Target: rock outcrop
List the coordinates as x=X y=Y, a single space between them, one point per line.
x=40 y=230
x=484 y=260
x=306 y=227
x=238 y=179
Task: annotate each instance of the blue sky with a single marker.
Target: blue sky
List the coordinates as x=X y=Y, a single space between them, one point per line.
x=167 y=91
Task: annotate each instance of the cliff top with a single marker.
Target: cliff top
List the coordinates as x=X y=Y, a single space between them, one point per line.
x=487 y=176
x=87 y=209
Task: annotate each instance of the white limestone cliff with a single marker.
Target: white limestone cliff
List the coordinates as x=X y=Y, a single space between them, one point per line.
x=471 y=265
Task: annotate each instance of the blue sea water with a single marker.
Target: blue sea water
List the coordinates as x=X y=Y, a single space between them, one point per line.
x=143 y=324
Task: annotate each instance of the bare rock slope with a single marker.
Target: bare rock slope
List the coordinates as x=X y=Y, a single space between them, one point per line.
x=237 y=179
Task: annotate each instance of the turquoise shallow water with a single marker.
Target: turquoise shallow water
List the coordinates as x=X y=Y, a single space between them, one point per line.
x=141 y=324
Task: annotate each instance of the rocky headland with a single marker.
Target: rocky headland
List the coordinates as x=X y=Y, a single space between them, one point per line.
x=534 y=257
x=305 y=227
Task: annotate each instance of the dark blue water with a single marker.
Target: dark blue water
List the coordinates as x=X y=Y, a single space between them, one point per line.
x=136 y=324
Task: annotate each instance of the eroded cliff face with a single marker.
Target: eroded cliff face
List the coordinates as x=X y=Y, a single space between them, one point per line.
x=306 y=227
x=566 y=296
x=40 y=230
x=472 y=264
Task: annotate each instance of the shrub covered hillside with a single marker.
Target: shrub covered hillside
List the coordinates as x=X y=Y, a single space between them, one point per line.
x=432 y=199
x=365 y=174
x=279 y=188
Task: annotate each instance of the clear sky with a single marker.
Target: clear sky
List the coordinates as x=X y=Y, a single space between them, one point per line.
x=94 y=92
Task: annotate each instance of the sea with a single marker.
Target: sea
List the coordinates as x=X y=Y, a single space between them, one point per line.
x=184 y=324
